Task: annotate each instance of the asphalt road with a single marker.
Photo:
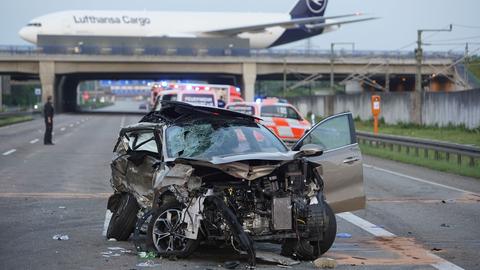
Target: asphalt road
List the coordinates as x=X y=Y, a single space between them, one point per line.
x=415 y=218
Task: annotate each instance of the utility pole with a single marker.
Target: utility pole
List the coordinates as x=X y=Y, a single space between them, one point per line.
x=419 y=54
x=284 y=77
x=332 y=60
x=467 y=61
x=418 y=94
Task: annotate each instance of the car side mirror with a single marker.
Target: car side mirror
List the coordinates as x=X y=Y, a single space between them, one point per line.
x=311 y=150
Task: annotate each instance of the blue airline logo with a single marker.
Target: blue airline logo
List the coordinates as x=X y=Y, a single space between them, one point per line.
x=316 y=6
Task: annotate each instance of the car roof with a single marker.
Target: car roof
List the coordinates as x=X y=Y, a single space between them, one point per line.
x=175 y=111
x=199 y=92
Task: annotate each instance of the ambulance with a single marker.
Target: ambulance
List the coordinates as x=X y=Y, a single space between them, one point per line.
x=282 y=118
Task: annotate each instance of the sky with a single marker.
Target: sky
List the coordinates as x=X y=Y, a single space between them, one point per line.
x=396 y=29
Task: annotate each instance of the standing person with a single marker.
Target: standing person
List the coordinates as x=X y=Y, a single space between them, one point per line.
x=48 y=112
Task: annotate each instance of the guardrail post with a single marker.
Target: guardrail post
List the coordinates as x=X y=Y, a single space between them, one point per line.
x=437 y=156
x=416 y=151
x=472 y=162
x=425 y=152
x=447 y=156
x=408 y=150
x=459 y=160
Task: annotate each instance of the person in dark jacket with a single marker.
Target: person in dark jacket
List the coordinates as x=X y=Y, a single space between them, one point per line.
x=48 y=113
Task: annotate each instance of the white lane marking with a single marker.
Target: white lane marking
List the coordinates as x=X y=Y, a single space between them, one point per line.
x=444 y=264
x=371 y=228
x=365 y=225
x=34 y=141
x=108 y=216
x=418 y=179
x=9 y=152
x=62 y=129
x=122 y=123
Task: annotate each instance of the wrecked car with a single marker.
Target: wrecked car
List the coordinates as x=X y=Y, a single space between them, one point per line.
x=195 y=175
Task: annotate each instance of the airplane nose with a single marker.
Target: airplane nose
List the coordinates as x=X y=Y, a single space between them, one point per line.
x=28 y=34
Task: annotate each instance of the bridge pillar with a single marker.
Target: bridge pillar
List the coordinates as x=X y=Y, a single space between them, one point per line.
x=47 y=78
x=249 y=78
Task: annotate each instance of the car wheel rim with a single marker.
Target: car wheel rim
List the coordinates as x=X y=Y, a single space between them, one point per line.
x=167 y=234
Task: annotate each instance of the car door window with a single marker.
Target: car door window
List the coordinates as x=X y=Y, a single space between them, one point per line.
x=143 y=141
x=333 y=133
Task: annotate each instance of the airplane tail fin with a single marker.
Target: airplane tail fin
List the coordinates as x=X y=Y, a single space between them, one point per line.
x=309 y=8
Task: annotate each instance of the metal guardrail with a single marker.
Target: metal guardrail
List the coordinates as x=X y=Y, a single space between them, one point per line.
x=416 y=144
x=158 y=51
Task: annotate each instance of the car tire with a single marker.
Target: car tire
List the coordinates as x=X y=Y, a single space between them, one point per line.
x=304 y=249
x=123 y=219
x=330 y=233
x=159 y=241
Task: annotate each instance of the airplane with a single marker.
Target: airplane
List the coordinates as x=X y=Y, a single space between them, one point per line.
x=263 y=30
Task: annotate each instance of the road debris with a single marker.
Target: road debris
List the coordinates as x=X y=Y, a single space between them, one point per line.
x=344 y=235
x=147 y=255
x=60 y=237
x=325 y=263
x=444 y=225
x=231 y=264
x=62 y=207
x=276 y=258
x=148 y=263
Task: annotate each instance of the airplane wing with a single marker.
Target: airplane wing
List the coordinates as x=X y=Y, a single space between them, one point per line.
x=309 y=23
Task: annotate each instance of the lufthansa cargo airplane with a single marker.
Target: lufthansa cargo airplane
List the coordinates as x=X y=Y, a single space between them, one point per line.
x=264 y=30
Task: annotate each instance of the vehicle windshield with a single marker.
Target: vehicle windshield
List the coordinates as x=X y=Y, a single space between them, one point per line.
x=204 y=139
x=280 y=112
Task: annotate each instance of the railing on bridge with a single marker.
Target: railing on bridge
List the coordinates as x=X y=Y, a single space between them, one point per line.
x=158 y=51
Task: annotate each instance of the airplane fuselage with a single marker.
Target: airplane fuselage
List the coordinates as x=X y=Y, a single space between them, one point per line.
x=153 y=24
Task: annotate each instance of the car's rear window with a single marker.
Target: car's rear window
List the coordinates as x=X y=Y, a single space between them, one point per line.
x=170 y=97
x=201 y=99
x=280 y=112
x=246 y=109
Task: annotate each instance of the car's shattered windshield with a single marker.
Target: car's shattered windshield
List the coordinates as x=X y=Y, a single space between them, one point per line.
x=204 y=139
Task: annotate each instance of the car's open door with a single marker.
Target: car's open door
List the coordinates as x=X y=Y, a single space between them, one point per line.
x=341 y=161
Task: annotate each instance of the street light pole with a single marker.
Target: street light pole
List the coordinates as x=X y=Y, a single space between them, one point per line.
x=332 y=60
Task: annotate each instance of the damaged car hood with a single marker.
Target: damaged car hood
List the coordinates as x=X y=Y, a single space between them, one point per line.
x=244 y=166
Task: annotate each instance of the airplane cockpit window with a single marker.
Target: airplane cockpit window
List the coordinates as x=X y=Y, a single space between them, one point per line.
x=35 y=24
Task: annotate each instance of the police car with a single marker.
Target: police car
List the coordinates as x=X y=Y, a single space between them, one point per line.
x=282 y=118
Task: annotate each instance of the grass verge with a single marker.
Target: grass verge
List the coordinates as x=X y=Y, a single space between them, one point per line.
x=452 y=134
x=439 y=161
x=14 y=119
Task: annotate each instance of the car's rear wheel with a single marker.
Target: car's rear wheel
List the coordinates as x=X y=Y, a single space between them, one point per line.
x=166 y=232
x=123 y=219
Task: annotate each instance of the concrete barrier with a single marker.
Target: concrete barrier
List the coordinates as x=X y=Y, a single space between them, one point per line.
x=439 y=108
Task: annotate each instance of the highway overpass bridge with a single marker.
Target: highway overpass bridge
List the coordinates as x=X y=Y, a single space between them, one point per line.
x=61 y=73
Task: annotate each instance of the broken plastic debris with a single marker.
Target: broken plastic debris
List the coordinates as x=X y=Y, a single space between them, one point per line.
x=115 y=248
x=273 y=257
x=112 y=240
x=60 y=237
x=344 y=235
x=325 y=263
x=445 y=225
x=62 y=207
x=147 y=255
x=148 y=263
x=231 y=264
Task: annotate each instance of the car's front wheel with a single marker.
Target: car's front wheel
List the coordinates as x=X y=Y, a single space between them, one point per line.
x=124 y=217
x=166 y=232
x=304 y=249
